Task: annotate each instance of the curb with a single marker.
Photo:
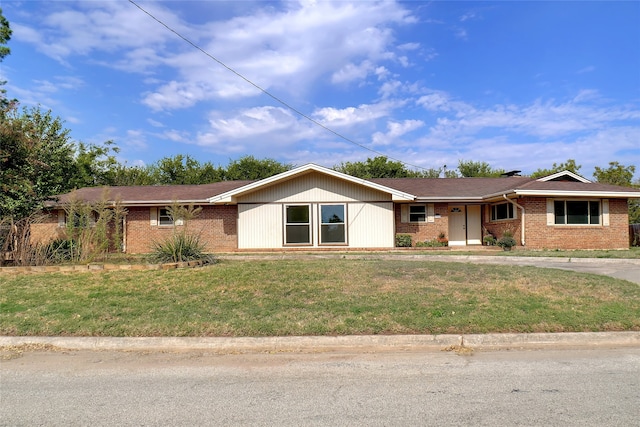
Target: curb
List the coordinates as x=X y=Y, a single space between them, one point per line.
x=312 y=344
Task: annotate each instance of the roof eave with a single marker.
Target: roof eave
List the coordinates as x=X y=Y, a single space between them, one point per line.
x=561 y=193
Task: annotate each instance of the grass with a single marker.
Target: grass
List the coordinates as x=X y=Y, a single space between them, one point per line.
x=316 y=297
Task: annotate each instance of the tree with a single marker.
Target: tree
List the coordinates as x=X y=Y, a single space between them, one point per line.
x=95 y=165
x=179 y=169
x=5 y=36
x=248 y=167
x=36 y=158
x=378 y=167
x=570 y=165
x=615 y=174
x=470 y=169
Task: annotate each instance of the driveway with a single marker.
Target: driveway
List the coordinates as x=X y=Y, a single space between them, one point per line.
x=626 y=269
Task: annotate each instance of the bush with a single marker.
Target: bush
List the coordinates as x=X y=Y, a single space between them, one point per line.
x=179 y=248
x=431 y=244
x=403 y=241
x=489 y=240
x=507 y=241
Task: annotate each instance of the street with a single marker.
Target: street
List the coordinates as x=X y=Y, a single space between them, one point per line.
x=569 y=387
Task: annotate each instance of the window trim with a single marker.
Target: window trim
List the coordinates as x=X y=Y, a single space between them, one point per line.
x=286 y=224
x=429 y=213
x=345 y=242
x=510 y=207
x=602 y=213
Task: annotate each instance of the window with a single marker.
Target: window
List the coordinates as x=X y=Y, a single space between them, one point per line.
x=164 y=217
x=332 y=226
x=417 y=213
x=78 y=220
x=297 y=225
x=502 y=211
x=584 y=212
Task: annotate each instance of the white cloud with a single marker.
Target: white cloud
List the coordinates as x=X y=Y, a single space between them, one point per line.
x=395 y=130
x=285 y=49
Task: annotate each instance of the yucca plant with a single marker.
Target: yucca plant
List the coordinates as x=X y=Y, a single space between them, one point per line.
x=180 y=247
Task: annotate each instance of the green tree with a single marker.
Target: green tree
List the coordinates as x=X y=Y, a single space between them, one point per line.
x=95 y=165
x=570 y=165
x=615 y=174
x=5 y=36
x=470 y=169
x=132 y=175
x=36 y=158
x=378 y=167
x=250 y=168
x=179 y=169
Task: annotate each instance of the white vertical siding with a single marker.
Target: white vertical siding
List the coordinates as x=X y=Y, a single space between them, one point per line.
x=371 y=225
x=314 y=187
x=260 y=226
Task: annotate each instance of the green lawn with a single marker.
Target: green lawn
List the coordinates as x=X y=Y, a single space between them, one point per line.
x=316 y=297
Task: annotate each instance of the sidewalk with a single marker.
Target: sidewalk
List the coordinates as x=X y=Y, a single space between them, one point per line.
x=359 y=343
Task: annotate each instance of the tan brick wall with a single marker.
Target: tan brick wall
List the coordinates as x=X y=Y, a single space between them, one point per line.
x=217 y=226
x=47 y=229
x=421 y=232
x=542 y=236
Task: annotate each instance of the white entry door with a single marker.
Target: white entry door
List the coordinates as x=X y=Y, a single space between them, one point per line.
x=465 y=226
x=457 y=225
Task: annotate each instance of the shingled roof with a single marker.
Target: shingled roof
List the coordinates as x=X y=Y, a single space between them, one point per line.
x=407 y=189
x=152 y=194
x=470 y=189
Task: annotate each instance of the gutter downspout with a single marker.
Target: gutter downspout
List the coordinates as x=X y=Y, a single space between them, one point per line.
x=521 y=217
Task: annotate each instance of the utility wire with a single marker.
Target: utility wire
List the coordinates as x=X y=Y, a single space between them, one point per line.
x=264 y=91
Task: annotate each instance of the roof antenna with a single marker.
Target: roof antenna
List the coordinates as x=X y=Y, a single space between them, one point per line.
x=511 y=173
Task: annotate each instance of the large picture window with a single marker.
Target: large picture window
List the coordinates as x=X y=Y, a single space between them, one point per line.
x=586 y=212
x=502 y=211
x=332 y=224
x=298 y=225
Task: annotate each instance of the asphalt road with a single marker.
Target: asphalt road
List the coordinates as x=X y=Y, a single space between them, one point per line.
x=586 y=387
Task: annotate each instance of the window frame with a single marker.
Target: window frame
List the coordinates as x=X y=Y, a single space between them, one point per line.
x=166 y=215
x=566 y=214
x=322 y=224
x=424 y=213
x=286 y=224
x=511 y=209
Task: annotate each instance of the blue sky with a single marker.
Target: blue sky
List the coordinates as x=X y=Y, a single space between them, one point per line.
x=519 y=85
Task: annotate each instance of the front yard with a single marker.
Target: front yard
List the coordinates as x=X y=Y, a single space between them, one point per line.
x=316 y=297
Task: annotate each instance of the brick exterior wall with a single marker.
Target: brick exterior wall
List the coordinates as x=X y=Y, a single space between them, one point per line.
x=47 y=229
x=424 y=231
x=216 y=225
x=539 y=235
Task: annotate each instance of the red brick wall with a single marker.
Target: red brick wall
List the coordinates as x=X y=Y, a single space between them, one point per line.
x=498 y=228
x=539 y=235
x=421 y=232
x=216 y=225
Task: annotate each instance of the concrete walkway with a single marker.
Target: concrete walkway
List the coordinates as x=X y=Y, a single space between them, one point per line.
x=316 y=344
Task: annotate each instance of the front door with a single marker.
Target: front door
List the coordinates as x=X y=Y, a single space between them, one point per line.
x=465 y=226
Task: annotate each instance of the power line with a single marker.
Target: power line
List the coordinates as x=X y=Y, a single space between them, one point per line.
x=264 y=91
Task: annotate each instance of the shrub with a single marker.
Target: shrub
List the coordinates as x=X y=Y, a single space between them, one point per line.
x=179 y=248
x=489 y=240
x=507 y=241
x=403 y=241
x=431 y=244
